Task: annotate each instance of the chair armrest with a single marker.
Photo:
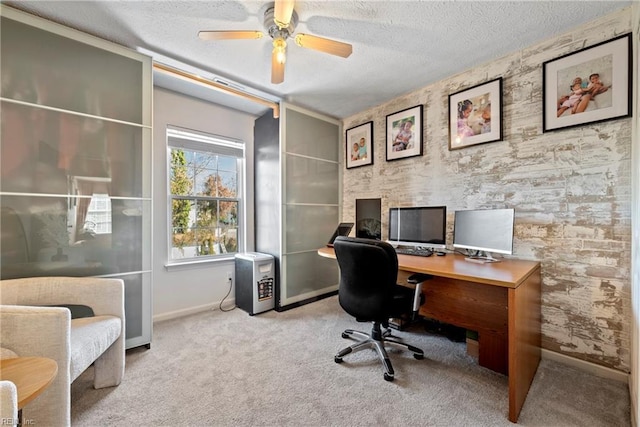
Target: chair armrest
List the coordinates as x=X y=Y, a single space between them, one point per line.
x=105 y=296
x=43 y=332
x=8 y=403
x=418 y=279
x=37 y=331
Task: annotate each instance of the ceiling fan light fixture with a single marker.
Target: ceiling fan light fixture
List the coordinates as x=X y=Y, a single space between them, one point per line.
x=280 y=50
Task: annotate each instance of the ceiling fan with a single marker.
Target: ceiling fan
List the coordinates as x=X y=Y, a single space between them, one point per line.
x=280 y=22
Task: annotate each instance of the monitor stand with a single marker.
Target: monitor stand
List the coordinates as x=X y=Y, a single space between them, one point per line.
x=481 y=257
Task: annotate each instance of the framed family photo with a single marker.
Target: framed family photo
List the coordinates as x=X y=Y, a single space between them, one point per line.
x=404 y=133
x=587 y=86
x=475 y=115
x=360 y=145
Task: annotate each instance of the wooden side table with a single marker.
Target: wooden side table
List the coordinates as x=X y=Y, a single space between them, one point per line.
x=31 y=375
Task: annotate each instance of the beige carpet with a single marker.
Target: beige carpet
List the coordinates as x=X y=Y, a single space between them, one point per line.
x=277 y=369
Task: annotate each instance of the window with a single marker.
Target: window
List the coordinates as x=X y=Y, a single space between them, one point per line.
x=98 y=218
x=205 y=181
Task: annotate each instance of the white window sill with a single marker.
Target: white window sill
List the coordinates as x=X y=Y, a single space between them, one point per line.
x=209 y=262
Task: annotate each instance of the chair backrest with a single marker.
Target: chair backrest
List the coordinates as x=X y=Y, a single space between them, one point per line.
x=368 y=274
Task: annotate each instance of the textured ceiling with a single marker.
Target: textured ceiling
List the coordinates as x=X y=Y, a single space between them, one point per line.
x=398 y=46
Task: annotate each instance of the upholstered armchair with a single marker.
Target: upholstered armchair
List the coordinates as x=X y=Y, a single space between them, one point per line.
x=8 y=403
x=35 y=323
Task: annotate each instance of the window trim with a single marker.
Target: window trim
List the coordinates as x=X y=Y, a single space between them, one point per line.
x=191 y=140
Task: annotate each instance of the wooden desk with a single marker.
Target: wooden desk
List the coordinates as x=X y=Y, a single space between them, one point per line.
x=31 y=375
x=501 y=301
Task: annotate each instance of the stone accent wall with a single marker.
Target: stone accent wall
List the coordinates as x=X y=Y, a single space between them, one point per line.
x=571 y=190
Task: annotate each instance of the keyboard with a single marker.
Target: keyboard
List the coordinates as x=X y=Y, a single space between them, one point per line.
x=414 y=252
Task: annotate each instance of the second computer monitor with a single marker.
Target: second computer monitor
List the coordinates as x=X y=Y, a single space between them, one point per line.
x=484 y=230
x=418 y=226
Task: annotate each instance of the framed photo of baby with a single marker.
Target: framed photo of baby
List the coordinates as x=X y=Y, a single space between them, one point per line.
x=360 y=145
x=475 y=115
x=404 y=133
x=588 y=86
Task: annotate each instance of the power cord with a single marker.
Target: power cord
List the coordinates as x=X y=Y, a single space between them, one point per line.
x=225 y=297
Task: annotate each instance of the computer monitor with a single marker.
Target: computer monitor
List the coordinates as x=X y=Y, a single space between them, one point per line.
x=483 y=231
x=424 y=226
x=368 y=221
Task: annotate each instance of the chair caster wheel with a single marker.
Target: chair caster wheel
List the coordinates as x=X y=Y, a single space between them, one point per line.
x=388 y=377
x=418 y=356
x=338 y=360
x=345 y=335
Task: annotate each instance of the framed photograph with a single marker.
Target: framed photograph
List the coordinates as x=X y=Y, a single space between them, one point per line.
x=360 y=145
x=404 y=133
x=475 y=115
x=587 y=86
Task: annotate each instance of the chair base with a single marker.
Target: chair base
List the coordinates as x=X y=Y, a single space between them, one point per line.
x=376 y=340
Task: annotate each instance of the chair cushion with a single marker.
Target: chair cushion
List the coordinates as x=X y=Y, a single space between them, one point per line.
x=5 y=353
x=90 y=337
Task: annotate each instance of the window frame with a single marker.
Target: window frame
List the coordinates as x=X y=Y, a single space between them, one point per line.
x=207 y=143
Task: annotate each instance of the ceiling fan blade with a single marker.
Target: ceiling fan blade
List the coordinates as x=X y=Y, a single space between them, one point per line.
x=321 y=44
x=282 y=12
x=229 y=35
x=277 y=69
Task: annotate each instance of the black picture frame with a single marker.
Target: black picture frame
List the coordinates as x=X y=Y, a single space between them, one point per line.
x=569 y=102
x=362 y=137
x=404 y=133
x=475 y=115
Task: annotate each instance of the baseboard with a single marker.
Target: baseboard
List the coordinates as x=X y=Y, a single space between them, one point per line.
x=634 y=421
x=192 y=310
x=601 y=371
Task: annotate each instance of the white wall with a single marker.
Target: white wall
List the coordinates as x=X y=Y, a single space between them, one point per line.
x=187 y=289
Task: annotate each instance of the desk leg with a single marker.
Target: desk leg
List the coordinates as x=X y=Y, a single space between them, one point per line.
x=524 y=341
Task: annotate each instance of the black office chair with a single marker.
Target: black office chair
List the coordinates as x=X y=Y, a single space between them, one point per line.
x=368 y=291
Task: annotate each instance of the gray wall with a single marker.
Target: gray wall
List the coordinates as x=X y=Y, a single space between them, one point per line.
x=571 y=190
x=182 y=290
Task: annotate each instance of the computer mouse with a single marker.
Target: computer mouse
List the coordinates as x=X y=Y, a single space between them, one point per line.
x=441 y=253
